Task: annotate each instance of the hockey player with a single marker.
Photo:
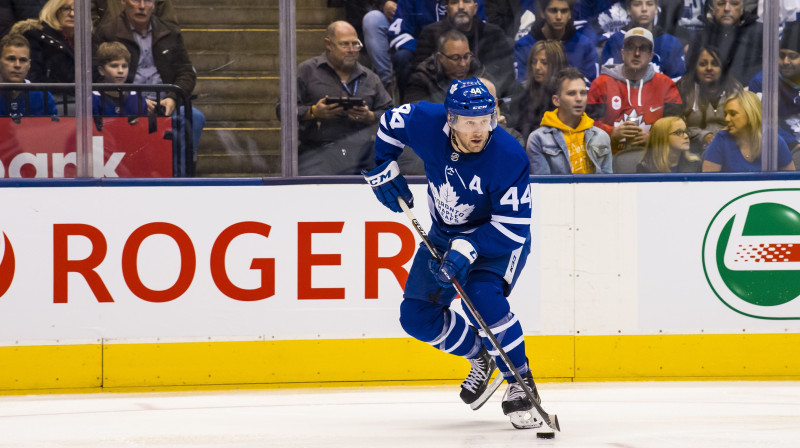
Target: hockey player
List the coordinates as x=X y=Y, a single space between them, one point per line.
x=480 y=202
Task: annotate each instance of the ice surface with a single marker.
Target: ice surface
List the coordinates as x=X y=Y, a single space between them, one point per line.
x=621 y=415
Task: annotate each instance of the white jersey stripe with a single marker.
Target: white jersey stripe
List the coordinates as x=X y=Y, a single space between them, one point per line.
x=400 y=40
x=390 y=140
x=509 y=234
x=508 y=347
x=446 y=333
x=510 y=220
x=501 y=328
x=460 y=340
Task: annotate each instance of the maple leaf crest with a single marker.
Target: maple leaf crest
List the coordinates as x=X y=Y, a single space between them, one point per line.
x=794 y=124
x=613 y=20
x=445 y=199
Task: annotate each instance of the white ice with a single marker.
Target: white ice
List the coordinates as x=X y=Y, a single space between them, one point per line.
x=621 y=415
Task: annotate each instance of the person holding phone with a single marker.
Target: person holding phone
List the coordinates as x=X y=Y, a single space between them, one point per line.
x=336 y=135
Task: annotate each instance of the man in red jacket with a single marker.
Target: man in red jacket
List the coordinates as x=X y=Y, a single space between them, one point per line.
x=627 y=98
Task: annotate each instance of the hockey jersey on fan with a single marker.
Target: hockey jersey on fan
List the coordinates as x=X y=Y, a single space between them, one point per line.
x=485 y=197
x=412 y=16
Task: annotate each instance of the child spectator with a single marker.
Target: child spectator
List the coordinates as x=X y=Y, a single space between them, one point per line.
x=113 y=60
x=667 y=149
x=738 y=147
x=554 y=22
x=703 y=91
x=567 y=142
x=667 y=49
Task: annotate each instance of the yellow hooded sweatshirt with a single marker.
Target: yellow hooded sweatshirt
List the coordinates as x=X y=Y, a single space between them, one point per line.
x=576 y=144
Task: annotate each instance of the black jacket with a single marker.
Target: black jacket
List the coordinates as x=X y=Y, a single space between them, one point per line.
x=12 y=11
x=169 y=52
x=429 y=83
x=52 y=58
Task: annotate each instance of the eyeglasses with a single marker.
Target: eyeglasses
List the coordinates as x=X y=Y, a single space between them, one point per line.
x=14 y=59
x=67 y=9
x=355 y=45
x=733 y=3
x=680 y=132
x=456 y=2
x=641 y=48
x=458 y=57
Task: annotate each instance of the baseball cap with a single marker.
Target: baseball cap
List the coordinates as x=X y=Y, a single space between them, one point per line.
x=639 y=32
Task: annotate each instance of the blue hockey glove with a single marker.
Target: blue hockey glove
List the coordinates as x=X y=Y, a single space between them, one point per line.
x=388 y=184
x=455 y=263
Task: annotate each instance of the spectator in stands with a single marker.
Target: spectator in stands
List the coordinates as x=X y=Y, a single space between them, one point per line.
x=554 y=22
x=409 y=20
x=15 y=61
x=597 y=20
x=158 y=56
x=667 y=149
x=113 y=61
x=103 y=10
x=736 y=34
x=545 y=61
x=567 y=142
x=52 y=41
x=487 y=41
x=667 y=49
x=502 y=121
x=703 y=92
x=433 y=76
x=626 y=99
x=376 y=39
x=738 y=147
x=13 y=11
x=335 y=139
x=789 y=85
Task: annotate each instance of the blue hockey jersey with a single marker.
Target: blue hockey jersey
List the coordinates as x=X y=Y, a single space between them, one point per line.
x=485 y=197
x=411 y=16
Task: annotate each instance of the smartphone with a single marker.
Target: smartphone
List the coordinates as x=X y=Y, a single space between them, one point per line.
x=345 y=101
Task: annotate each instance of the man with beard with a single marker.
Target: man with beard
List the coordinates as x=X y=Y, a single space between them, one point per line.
x=488 y=43
x=339 y=104
x=433 y=76
x=627 y=98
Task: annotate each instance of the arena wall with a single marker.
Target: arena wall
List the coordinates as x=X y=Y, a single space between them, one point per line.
x=160 y=287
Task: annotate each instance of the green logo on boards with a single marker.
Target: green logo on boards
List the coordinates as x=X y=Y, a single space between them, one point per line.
x=751 y=254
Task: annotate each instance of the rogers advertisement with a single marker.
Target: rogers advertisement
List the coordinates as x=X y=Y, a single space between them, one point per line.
x=41 y=147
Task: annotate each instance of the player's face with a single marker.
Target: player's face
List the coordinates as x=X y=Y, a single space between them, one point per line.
x=472 y=133
x=455 y=58
x=637 y=53
x=735 y=119
x=539 y=68
x=461 y=12
x=727 y=12
x=708 y=68
x=115 y=72
x=642 y=12
x=14 y=64
x=789 y=64
x=678 y=136
x=571 y=99
x=557 y=14
x=343 y=48
x=138 y=12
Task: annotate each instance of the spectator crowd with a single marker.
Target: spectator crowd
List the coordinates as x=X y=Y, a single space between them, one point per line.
x=584 y=85
x=633 y=86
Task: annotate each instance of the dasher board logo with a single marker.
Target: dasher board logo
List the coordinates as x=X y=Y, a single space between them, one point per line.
x=751 y=254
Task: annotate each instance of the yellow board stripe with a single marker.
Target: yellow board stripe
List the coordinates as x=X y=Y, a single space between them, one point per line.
x=361 y=362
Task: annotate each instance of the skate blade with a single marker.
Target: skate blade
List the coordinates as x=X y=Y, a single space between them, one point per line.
x=529 y=419
x=493 y=386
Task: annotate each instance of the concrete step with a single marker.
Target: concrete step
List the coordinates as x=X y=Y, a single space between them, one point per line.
x=237 y=110
x=264 y=88
x=252 y=41
x=217 y=63
x=247 y=16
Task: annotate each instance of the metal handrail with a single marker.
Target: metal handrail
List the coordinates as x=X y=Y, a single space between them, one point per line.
x=183 y=164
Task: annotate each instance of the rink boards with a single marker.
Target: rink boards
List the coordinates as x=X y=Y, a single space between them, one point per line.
x=126 y=287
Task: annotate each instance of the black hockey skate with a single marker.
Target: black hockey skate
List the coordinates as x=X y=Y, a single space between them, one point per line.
x=518 y=406
x=476 y=389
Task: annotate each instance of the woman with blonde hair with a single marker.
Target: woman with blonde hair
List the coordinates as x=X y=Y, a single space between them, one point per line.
x=738 y=147
x=667 y=149
x=52 y=41
x=545 y=60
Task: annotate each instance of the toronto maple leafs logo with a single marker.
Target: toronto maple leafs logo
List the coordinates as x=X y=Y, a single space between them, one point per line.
x=446 y=201
x=613 y=19
x=794 y=125
x=453 y=89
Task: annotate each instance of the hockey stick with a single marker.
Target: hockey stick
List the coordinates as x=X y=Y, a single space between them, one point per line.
x=550 y=420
